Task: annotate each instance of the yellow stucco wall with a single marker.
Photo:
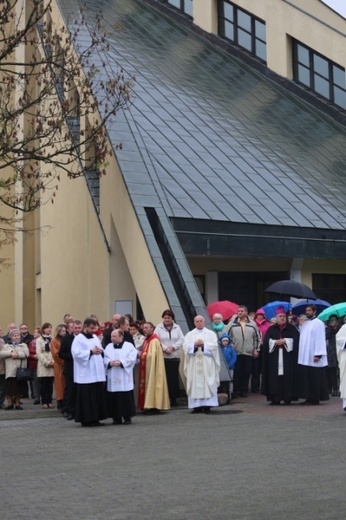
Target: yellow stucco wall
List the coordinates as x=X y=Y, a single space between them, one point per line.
x=140 y=268
x=7 y=274
x=78 y=275
x=65 y=266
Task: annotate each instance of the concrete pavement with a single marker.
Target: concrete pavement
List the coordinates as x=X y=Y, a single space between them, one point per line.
x=245 y=461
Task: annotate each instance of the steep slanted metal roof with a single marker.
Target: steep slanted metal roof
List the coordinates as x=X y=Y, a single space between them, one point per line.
x=207 y=137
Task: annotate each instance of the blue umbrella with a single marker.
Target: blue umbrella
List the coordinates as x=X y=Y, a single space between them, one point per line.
x=299 y=307
x=269 y=309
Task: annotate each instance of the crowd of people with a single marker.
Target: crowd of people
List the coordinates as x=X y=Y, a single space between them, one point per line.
x=94 y=367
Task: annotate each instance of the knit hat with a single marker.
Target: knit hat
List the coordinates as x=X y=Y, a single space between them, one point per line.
x=14 y=331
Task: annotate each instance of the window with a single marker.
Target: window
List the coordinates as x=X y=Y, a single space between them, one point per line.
x=330 y=287
x=185 y=6
x=319 y=74
x=242 y=28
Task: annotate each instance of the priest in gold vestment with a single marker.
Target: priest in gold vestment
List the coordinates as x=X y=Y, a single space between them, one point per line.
x=153 y=390
x=201 y=367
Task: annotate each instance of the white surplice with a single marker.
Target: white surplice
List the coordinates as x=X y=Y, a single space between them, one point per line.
x=312 y=342
x=288 y=346
x=202 y=369
x=120 y=379
x=341 y=353
x=87 y=368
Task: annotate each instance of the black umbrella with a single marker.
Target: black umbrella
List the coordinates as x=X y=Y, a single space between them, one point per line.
x=292 y=288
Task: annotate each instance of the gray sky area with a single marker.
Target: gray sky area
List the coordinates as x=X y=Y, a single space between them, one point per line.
x=338 y=5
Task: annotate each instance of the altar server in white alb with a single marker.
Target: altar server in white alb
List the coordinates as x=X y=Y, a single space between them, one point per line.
x=120 y=359
x=201 y=367
x=341 y=353
x=312 y=359
x=89 y=375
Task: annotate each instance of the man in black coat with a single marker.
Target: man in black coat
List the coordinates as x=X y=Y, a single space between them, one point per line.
x=69 y=403
x=108 y=331
x=280 y=361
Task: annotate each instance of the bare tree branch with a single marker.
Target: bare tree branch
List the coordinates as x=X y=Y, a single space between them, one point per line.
x=50 y=122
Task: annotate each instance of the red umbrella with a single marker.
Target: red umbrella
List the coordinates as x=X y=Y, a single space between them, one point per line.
x=225 y=308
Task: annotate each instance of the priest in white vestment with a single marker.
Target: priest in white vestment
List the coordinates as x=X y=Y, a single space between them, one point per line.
x=89 y=375
x=201 y=367
x=312 y=359
x=120 y=359
x=341 y=353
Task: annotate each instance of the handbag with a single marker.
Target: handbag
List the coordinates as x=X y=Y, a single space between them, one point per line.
x=24 y=373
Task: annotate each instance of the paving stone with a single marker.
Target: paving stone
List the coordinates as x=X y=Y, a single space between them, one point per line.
x=246 y=461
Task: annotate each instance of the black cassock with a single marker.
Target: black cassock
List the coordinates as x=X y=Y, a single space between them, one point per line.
x=280 y=387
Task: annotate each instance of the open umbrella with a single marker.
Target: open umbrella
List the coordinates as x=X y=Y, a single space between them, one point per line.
x=226 y=308
x=339 y=309
x=291 y=288
x=269 y=308
x=299 y=307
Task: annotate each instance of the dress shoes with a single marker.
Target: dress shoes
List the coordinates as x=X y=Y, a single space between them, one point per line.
x=197 y=410
x=127 y=420
x=152 y=411
x=117 y=422
x=70 y=417
x=92 y=424
x=9 y=407
x=37 y=401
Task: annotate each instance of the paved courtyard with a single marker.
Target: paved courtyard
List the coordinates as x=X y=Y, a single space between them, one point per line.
x=248 y=460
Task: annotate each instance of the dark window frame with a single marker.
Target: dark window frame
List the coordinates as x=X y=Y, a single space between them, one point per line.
x=313 y=73
x=330 y=286
x=252 y=33
x=182 y=7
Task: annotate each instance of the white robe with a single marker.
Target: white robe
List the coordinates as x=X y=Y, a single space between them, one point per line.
x=202 y=369
x=312 y=342
x=341 y=353
x=86 y=368
x=120 y=379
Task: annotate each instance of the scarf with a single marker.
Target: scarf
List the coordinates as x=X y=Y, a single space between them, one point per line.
x=218 y=327
x=47 y=340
